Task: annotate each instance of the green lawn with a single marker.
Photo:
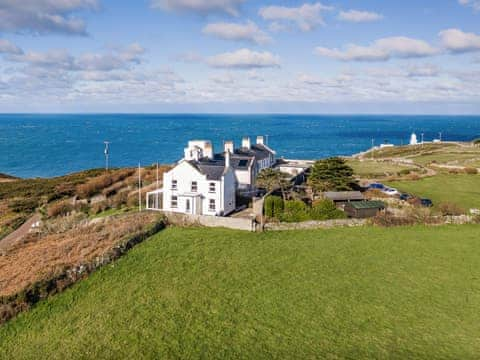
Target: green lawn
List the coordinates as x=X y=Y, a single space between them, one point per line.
x=358 y=293
x=464 y=190
x=374 y=169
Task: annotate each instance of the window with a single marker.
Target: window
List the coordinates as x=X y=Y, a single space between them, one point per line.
x=174 y=202
x=243 y=163
x=174 y=184
x=211 y=187
x=211 y=205
x=194 y=186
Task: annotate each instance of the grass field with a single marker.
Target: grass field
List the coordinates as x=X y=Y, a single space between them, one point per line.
x=212 y=293
x=374 y=169
x=463 y=190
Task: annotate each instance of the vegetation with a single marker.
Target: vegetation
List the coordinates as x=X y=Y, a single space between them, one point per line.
x=270 y=180
x=357 y=293
x=297 y=211
x=332 y=174
x=462 y=190
x=372 y=169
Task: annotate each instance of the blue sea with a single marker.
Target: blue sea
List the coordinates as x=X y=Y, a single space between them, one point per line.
x=52 y=145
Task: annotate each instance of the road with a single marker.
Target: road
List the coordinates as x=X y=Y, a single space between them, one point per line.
x=18 y=234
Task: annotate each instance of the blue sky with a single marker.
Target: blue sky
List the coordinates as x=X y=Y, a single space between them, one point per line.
x=240 y=56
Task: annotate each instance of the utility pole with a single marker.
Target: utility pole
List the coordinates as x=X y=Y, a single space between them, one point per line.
x=373 y=147
x=422 y=138
x=139 y=188
x=106 y=152
x=440 y=136
x=158 y=180
x=266 y=139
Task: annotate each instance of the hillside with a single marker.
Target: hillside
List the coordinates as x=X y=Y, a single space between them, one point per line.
x=342 y=293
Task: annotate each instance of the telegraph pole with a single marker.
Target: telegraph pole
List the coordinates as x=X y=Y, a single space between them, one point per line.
x=373 y=147
x=139 y=188
x=440 y=136
x=107 y=153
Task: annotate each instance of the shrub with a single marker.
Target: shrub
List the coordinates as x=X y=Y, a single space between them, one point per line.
x=325 y=210
x=24 y=205
x=61 y=208
x=268 y=207
x=471 y=171
x=450 y=209
x=273 y=206
x=404 y=172
x=295 y=211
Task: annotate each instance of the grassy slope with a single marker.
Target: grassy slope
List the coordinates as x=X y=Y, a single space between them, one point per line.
x=369 y=168
x=357 y=293
x=463 y=190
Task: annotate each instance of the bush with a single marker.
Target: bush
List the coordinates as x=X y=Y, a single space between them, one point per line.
x=471 y=171
x=61 y=208
x=295 y=211
x=24 y=205
x=273 y=206
x=325 y=210
x=450 y=209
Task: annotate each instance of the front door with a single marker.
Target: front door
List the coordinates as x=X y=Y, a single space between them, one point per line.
x=188 y=206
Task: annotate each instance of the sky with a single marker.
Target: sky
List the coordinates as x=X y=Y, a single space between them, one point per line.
x=240 y=56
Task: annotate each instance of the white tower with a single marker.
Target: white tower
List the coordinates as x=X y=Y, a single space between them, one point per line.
x=413 y=139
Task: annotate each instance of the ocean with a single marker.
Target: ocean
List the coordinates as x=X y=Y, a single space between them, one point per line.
x=53 y=145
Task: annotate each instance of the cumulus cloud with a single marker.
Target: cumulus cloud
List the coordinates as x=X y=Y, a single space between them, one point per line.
x=7 y=47
x=381 y=50
x=358 y=16
x=458 y=41
x=44 y=16
x=62 y=59
x=475 y=4
x=238 y=32
x=244 y=59
x=203 y=7
x=307 y=16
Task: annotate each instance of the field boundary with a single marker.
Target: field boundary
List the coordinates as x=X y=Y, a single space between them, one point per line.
x=12 y=305
x=181 y=219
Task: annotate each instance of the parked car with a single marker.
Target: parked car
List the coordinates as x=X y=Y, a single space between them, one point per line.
x=391 y=191
x=376 y=186
x=426 y=202
x=405 y=197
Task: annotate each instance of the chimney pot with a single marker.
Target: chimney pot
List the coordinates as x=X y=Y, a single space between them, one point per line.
x=246 y=143
x=260 y=140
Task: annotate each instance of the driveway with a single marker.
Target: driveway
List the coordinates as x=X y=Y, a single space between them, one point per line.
x=18 y=234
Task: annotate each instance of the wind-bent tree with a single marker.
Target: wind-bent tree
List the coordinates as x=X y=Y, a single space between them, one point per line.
x=332 y=174
x=270 y=180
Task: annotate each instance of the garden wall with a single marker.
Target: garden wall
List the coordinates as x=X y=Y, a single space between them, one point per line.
x=211 y=221
x=314 y=224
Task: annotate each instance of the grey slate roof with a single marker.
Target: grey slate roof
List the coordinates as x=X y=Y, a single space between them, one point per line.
x=344 y=195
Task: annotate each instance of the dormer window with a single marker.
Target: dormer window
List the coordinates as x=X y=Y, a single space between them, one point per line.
x=194 y=186
x=174 y=185
x=212 y=187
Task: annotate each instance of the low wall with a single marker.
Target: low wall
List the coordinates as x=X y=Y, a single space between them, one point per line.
x=211 y=221
x=314 y=224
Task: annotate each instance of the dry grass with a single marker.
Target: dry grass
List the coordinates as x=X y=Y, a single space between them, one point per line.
x=72 y=243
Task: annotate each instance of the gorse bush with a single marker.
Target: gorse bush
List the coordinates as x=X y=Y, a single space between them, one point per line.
x=471 y=171
x=450 y=209
x=61 y=208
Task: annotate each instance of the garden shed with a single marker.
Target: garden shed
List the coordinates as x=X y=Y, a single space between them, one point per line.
x=364 y=209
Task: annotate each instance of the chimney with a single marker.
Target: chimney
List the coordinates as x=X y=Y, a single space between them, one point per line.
x=227 y=159
x=246 y=142
x=229 y=147
x=208 y=151
x=260 y=140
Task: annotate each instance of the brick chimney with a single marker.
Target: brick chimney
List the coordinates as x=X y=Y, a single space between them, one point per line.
x=246 y=143
x=229 y=146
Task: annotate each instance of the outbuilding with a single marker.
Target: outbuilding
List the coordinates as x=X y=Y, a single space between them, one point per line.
x=364 y=209
x=341 y=198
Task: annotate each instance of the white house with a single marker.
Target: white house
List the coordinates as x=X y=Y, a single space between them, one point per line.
x=205 y=183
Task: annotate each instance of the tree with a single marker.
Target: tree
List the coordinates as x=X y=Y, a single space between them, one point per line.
x=270 y=180
x=332 y=174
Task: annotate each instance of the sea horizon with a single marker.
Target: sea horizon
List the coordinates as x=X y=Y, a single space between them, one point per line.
x=46 y=145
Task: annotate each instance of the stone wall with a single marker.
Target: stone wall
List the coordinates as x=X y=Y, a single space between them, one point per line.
x=211 y=221
x=314 y=224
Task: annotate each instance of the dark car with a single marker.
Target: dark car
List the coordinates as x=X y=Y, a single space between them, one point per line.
x=376 y=186
x=426 y=202
x=405 y=197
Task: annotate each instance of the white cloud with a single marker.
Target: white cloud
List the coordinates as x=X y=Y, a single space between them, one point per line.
x=62 y=59
x=458 y=41
x=306 y=17
x=244 y=59
x=238 y=32
x=6 y=47
x=475 y=4
x=44 y=16
x=427 y=70
x=358 y=16
x=381 y=50
x=203 y=7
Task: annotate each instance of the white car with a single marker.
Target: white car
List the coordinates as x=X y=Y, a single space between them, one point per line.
x=391 y=191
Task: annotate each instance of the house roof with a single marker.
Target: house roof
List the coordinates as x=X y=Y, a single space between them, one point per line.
x=213 y=169
x=374 y=204
x=344 y=195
